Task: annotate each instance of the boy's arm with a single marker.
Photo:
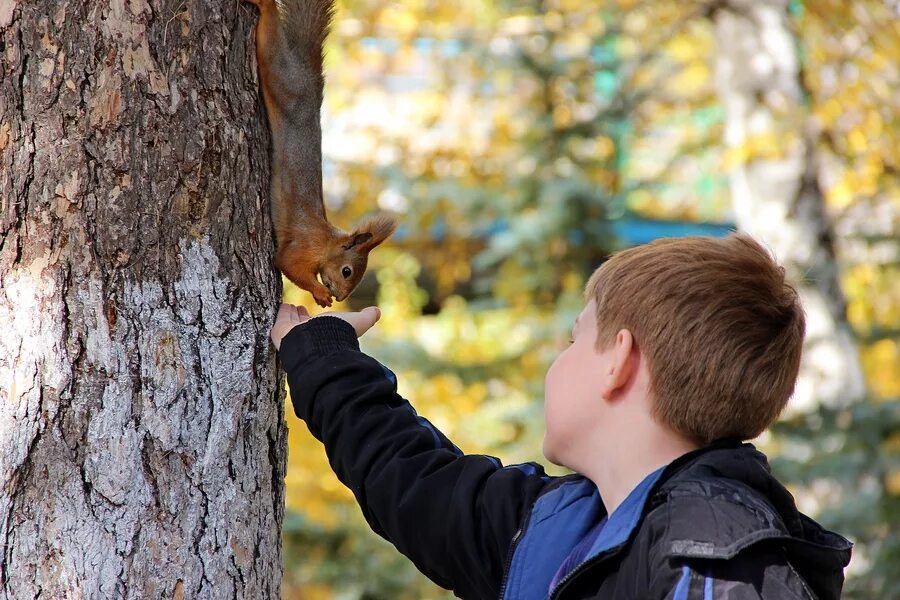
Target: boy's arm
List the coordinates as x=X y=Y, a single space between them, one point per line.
x=453 y=515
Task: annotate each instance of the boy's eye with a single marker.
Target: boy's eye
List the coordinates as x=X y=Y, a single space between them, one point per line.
x=571 y=341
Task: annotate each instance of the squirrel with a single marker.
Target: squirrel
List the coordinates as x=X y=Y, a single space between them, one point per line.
x=289 y=55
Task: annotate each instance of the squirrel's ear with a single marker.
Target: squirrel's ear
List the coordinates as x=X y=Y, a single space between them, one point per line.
x=372 y=233
x=357 y=238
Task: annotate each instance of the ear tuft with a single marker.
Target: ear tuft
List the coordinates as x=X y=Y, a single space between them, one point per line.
x=357 y=238
x=372 y=232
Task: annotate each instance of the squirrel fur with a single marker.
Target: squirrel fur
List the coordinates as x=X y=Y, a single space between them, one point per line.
x=289 y=54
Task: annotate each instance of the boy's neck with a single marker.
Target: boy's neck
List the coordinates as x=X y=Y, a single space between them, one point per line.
x=626 y=461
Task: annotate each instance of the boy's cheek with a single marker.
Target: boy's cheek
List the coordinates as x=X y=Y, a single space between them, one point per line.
x=552 y=372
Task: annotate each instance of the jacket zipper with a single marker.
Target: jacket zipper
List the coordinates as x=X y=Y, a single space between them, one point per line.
x=512 y=550
x=581 y=568
x=521 y=531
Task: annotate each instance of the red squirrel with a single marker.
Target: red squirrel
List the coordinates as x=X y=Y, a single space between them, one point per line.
x=289 y=55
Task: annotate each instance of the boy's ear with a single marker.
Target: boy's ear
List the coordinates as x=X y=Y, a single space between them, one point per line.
x=621 y=366
x=371 y=233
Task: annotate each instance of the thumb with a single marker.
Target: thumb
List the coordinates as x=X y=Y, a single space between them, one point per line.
x=363 y=320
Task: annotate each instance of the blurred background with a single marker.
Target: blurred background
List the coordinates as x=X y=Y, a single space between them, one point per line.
x=519 y=143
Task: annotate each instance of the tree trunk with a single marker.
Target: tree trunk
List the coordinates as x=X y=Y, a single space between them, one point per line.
x=774 y=184
x=142 y=439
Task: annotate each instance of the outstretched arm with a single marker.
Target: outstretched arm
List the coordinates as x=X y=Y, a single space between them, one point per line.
x=453 y=515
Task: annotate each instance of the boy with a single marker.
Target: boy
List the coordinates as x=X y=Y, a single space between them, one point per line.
x=685 y=347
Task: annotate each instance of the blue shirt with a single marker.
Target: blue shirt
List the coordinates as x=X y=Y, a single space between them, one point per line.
x=609 y=531
x=578 y=553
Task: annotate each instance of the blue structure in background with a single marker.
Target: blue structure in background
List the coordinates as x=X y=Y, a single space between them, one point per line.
x=631 y=230
x=636 y=230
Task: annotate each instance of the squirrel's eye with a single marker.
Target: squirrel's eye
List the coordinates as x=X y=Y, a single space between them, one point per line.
x=346 y=272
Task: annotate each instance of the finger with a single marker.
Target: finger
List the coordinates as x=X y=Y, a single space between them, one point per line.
x=284 y=311
x=365 y=319
x=283 y=323
x=287 y=313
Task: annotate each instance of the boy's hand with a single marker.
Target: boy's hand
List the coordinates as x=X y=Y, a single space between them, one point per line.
x=289 y=316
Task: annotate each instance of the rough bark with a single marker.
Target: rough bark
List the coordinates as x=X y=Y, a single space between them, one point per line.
x=774 y=185
x=142 y=439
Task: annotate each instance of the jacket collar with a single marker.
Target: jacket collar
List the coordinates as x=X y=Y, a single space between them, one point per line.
x=722 y=502
x=736 y=474
x=559 y=520
x=731 y=481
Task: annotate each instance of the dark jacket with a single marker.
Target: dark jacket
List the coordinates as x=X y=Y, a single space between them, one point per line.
x=712 y=524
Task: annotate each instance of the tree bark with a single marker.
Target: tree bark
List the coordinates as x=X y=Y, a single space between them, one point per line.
x=774 y=184
x=142 y=438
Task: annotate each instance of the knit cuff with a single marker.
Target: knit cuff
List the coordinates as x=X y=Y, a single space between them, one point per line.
x=317 y=337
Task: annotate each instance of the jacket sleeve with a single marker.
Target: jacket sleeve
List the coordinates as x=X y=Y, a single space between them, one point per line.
x=760 y=572
x=453 y=515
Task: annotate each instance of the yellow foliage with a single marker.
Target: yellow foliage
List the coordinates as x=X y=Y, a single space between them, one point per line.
x=840 y=195
x=399 y=19
x=829 y=111
x=881 y=362
x=892 y=483
x=306 y=591
x=769 y=145
x=857 y=141
x=694 y=75
x=310 y=486
x=873 y=296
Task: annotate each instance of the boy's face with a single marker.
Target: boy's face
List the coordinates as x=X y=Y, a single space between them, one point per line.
x=572 y=402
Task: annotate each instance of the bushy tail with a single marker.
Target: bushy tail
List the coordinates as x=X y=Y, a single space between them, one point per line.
x=293 y=84
x=307 y=23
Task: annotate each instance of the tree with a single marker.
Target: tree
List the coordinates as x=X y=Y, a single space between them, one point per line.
x=142 y=439
x=771 y=162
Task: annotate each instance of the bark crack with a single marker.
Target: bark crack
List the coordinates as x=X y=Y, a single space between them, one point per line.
x=146 y=447
x=25 y=191
x=276 y=470
x=20 y=99
x=198 y=537
x=14 y=486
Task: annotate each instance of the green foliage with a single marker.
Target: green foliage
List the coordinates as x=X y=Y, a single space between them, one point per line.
x=849 y=457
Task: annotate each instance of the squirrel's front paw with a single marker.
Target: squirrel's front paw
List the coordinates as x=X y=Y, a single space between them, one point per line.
x=322 y=296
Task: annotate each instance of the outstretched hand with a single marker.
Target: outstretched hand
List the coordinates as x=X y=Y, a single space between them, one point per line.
x=289 y=316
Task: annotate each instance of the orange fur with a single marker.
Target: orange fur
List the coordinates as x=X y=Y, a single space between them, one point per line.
x=289 y=38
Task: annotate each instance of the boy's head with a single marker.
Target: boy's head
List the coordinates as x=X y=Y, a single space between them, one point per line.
x=719 y=328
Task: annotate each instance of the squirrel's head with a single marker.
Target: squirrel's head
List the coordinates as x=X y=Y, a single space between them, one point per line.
x=346 y=263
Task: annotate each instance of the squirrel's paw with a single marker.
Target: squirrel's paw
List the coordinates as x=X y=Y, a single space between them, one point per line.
x=322 y=297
